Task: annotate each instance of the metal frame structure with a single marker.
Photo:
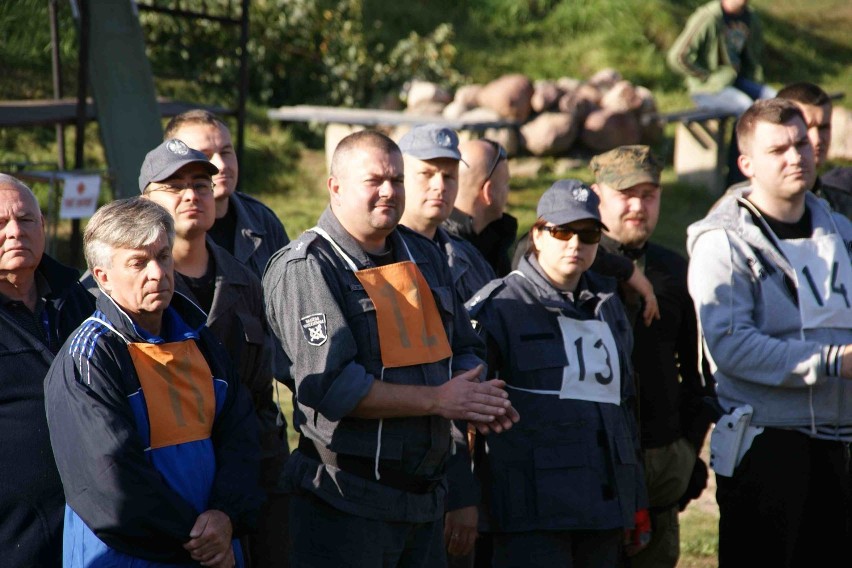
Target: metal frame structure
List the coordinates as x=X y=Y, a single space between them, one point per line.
x=58 y=111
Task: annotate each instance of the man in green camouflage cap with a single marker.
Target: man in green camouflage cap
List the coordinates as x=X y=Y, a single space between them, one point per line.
x=622 y=174
x=665 y=357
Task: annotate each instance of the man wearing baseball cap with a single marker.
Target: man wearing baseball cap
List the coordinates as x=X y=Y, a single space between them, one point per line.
x=165 y=160
x=232 y=296
x=665 y=358
x=431 y=159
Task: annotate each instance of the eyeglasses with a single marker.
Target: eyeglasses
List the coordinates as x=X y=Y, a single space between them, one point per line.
x=201 y=187
x=499 y=154
x=566 y=233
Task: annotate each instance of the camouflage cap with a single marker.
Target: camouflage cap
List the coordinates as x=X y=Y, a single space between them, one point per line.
x=626 y=166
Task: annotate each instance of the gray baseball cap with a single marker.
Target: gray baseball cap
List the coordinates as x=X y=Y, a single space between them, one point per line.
x=167 y=158
x=569 y=200
x=430 y=141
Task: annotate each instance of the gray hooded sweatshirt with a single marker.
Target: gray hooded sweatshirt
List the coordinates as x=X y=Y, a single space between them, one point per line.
x=745 y=294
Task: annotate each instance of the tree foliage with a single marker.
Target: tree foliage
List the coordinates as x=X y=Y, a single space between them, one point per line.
x=300 y=51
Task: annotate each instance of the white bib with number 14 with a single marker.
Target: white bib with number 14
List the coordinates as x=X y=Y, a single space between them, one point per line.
x=824 y=274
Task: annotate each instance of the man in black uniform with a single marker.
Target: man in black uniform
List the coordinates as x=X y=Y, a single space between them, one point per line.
x=41 y=302
x=665 y=352
x=479 y=215
x=384 y=356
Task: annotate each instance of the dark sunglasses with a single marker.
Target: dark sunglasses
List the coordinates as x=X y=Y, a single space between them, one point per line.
x=499 y=154
x=565 y=233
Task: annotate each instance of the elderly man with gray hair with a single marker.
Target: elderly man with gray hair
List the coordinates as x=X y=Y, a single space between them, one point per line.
x=41 y=302
x=154 y=437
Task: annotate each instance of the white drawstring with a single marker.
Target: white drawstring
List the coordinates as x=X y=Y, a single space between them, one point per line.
x=379 y=434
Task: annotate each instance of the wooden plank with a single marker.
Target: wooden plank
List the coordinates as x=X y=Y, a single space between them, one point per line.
x=47 y=112
x=695 y=115
x=376 y=117
x=704 y=114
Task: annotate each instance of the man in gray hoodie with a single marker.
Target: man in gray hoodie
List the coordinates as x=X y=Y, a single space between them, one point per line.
x=771 y=278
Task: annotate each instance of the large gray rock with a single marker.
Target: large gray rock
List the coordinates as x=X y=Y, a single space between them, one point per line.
x=508 y=137
x=581 y=101
x=621 y=97
x=468 y=96
x=426 y=108
x=509 y=96
x=605 y=79
x=605 y=129
x=546 y=95
x=425 y=92
x=568 y=84
x=550 y=133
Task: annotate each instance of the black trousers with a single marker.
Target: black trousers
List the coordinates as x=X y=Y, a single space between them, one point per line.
x=787 y=504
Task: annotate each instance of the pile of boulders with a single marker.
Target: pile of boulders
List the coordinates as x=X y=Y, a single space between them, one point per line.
x=556 y=118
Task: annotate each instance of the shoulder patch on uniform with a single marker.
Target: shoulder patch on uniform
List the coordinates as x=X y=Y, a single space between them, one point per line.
x=483 y=295
x=315 y=329
x=296 y=249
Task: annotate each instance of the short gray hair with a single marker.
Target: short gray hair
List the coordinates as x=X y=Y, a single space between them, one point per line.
x=7 y=180
x=130 y=223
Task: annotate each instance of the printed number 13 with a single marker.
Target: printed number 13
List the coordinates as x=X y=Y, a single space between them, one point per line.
x=835 y=287
x=581 y=361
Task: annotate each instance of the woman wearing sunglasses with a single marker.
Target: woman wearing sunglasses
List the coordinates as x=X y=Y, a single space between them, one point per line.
x=563 y=486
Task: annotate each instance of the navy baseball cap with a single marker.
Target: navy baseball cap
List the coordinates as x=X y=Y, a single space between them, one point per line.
x=431 y=141
x=569 y=200
x=167 y=158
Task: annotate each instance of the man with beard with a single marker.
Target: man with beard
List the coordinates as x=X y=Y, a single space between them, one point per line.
x=665 y=359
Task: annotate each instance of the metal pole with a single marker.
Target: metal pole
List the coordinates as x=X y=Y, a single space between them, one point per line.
x=244 y=79
x=56 y=66
x=76 y=242
x=57 y=81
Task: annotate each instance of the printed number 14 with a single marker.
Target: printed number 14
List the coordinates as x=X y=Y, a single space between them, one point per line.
x=839 y=289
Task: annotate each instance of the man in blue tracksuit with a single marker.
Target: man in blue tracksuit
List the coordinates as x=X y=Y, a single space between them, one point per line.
x=154 y=437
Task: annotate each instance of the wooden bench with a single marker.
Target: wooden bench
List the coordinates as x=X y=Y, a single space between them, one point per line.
x=701 y=144
x=343 y=121
x=47 y=112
